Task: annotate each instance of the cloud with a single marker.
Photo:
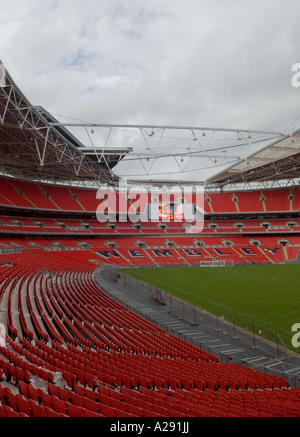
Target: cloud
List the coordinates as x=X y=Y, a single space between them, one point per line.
x=201 y=62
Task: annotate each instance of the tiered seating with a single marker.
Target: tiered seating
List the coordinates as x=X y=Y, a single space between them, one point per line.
x=89 y=355
x=151 y=241
x=50 y=197
x=228 y=253
x=292 y=252
x=274 y=252
x=151 y=228
x=238 y=249
x=84 y=355
x=182 y=241
x=19 y=224
x=220 y=203
x=277 y=200
x=126 y=228
x=86 y=198
x=137 y=256
x=126 y=251
x=250 y=201
x=252 y=254
x=280 y=225
x=175 y=227
x=100 y=228
x=226 y=226
x=195 y=255
x=33 y=193
x=164 y=257
x=13 y=196
x=61 y=198
x=295 y=192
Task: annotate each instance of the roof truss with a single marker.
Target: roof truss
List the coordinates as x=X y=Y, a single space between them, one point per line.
x=28 y=142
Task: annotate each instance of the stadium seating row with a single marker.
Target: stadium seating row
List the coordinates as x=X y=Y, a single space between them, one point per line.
x=32 y=195
x=161 y=251
x=61 y=226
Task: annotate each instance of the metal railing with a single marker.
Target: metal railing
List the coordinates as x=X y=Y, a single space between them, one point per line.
x=236 y=325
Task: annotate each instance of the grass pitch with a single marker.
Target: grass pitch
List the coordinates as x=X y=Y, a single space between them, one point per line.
x=263 y=298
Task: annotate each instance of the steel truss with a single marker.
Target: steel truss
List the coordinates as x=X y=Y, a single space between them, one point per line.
x=31 y=146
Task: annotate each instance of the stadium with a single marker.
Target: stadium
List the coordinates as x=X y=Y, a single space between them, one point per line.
x=82 y=335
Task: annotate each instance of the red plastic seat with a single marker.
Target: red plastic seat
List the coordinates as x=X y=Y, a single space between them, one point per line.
x=9 y=412
x=89 y=413
x=36 y=410
x=51 y=413
x=44 y=398
x=9 y=397
x=106 y=410
x=91 y=405
x=73 y=410
x=76 y=399
x=58 y=405
x=22 y=404
x=23 y=388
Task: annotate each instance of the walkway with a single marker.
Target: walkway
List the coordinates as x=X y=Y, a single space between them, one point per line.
x=210 y=334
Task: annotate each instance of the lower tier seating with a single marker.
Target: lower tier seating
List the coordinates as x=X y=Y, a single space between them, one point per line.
x=72 y=351
x=179 y=250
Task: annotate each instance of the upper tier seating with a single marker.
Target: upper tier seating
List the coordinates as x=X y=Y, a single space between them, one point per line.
x=32 y=195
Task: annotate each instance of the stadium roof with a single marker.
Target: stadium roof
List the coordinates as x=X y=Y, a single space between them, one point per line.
x=31 y=148
x=279 y=160
x=35 y=145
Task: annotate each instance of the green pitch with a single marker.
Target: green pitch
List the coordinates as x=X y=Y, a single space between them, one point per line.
x=263 y=299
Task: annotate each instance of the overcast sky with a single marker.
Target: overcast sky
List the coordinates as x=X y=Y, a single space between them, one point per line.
x=217 y=63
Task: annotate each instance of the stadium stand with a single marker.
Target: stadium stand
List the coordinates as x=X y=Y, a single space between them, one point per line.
x=50 y=197
x=108 y=361
x=72 y=350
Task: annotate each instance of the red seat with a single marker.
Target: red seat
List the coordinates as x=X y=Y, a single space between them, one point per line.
x=51 y=413
x=53 y=390
x=136 y=411
x=33 y=393
x=64 y=394
x=73 y=410
x=23 y=388
x=76 y=399
x=91 y=405
x=22 y=404
x=58 y=405
x=9 y=412
x=9 y=398
x=36 y=410
x=106 y=410
x=44 y=398
x=89 y=413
